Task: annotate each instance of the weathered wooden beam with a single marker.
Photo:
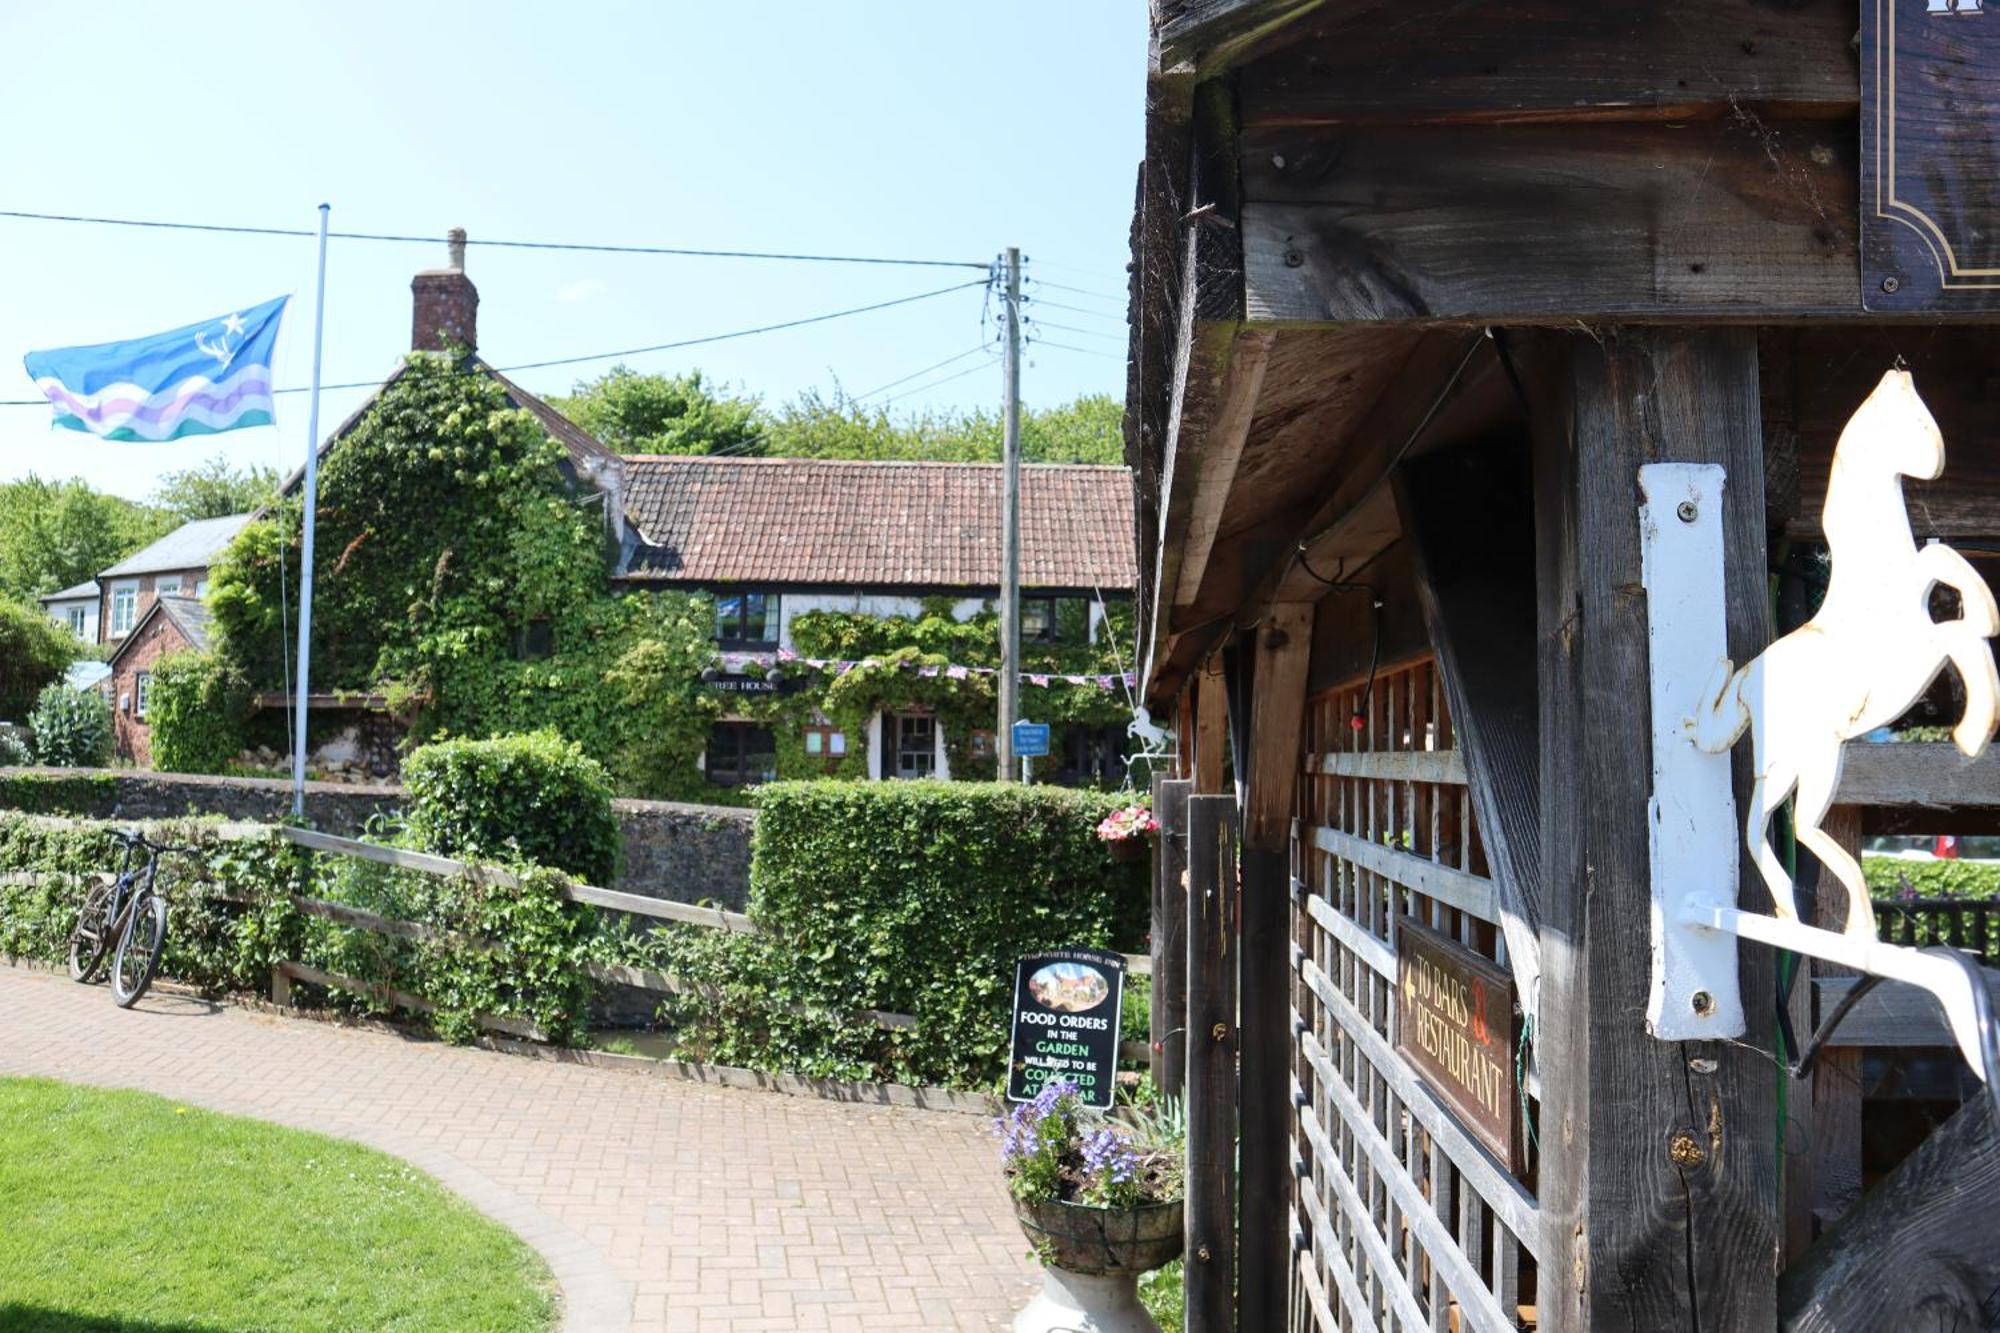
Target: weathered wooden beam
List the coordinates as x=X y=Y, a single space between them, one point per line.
x=1209 y=1278
x=1470 y=517
x=1170 y=919
x=1203 y=36
x=1211 y=731
x=1658 y=1166
x=1918 y=1252
x=1932 y=775
x=1822 y=1182
x=1273 y=760
x=1217 y=445
x=1715 y=219
x=1538 y=60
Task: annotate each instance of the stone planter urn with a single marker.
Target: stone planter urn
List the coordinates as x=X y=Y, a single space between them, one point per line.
x=1092 y=1258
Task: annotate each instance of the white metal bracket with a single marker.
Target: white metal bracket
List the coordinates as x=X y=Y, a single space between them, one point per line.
x=1691 y=819
x=1868 y=653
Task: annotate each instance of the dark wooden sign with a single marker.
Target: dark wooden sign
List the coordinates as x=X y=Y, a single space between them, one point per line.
x=1930 y=155
x=1455 y=1025
x=1067 y=1007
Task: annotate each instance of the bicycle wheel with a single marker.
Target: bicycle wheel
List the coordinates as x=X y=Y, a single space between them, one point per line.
x=90 y=938
x=139 y=949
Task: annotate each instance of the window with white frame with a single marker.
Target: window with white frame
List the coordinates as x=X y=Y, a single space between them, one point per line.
x=124 y=608
x=145 y=690
x=75 y=617
x=169 y=585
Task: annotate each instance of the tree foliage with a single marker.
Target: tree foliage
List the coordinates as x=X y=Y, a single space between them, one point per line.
x=816 y=425
x=214 y=489
x=34 y=652
x=633 y=413
x=537 y=799
x=56 y=534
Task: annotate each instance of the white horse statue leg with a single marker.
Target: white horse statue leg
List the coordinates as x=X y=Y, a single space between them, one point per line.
x=1964 y=642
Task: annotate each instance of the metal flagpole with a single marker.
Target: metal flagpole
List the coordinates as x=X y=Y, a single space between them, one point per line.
x=306 y=541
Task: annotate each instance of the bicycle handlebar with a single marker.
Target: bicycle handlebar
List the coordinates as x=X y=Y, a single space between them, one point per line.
x=134 y=838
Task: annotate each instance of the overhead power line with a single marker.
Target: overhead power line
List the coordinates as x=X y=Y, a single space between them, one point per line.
x=1065 y=347
x=925 y=388
x=635 y=351
x=1080 y=291
x=936 y=365
x=1043 y=303
x=585 y=246
x=1071 y=328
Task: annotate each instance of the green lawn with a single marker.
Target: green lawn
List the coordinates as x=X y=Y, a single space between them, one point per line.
x=126 y=1213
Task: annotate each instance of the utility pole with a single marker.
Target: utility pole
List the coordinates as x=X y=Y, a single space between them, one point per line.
x=1010 y=531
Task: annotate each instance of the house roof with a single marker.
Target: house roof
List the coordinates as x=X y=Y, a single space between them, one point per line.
x=190 y=546
x=797 y=520
x=87 y=590
x=188 y=615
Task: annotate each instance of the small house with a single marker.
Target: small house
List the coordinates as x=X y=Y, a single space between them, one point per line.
x=174 y=566
x=173 y=622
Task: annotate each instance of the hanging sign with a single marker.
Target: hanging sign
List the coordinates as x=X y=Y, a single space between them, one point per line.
x=1067 y=1007
x=1930 y=155
x=1455 y=1025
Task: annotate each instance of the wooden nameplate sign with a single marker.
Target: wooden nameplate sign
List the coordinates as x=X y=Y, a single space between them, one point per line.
x=1930 y=155
x=1455 y=1026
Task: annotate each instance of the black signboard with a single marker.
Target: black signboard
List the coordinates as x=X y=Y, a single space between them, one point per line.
x=1067 y=1004
x=1930 y=155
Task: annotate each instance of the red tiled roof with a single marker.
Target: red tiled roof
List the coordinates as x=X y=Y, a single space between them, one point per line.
x=798 y=520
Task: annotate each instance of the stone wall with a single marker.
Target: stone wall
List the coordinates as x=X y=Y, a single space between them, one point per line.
x=687 y=853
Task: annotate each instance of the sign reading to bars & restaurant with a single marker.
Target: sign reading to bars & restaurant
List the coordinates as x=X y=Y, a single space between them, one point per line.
x=1455 y=1025
x=1930 y=155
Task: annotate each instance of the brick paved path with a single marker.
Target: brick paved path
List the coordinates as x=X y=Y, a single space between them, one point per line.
x=660 y=1206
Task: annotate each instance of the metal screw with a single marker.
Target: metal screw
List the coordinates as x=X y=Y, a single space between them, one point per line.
x=1687 y=511
x=1293 y=259
x=1703 y=1002
x=1890 y=284
x=1278 y=161
x=1201 y=1253
x=1220 y=1032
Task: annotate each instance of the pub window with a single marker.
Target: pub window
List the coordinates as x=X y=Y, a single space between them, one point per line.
x=535 y=639
x=916 y=745
x=828 y=743
x=1038 y=619
x=1055 y=620
x=741 y=753
x=746 y=619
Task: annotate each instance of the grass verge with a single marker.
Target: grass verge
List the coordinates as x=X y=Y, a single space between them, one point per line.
x=121 y=1212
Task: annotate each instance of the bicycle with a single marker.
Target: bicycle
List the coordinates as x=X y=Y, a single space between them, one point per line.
x=131 y=911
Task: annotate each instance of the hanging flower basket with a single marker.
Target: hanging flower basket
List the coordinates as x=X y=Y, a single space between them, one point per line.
x=1102 y=1240
x=1128 y=833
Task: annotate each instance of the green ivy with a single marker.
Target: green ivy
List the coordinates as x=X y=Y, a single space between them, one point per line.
x=196 y=708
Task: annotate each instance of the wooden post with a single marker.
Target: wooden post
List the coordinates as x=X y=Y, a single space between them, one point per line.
x=1273 y=761
x=1823 y=1111
x=1211 y=730
x=1209 y=1282
x=1658 y=1171
x=1170 y=919
x=281 y=987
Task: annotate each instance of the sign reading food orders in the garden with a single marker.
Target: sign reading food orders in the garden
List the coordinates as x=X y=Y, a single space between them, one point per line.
x=1455 y=1025
x=1067 y=1006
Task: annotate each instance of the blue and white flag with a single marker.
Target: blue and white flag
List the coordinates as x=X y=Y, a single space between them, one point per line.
x=195 y=380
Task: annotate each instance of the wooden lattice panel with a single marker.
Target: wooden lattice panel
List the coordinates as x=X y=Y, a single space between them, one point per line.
x=1402 y=1220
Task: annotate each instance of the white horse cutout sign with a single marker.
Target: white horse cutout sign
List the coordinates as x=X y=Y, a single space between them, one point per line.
x=1866 y=656
x=1869 y=653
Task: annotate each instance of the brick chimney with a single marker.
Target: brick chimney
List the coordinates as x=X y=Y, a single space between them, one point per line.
x=446 y=304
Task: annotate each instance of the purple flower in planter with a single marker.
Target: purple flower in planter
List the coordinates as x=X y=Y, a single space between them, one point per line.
x=1108 y=1158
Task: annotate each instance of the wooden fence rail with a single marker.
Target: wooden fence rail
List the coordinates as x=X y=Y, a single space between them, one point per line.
x=1961 y=923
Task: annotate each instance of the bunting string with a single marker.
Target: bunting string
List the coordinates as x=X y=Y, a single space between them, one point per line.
x=741 y=662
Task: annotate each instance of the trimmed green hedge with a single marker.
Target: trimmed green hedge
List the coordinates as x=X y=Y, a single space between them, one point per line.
x=58 y=793
x=536 y=798
x=1887 y=877
x=909 y=897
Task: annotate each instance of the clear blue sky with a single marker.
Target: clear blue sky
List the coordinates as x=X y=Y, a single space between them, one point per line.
x=924 y=128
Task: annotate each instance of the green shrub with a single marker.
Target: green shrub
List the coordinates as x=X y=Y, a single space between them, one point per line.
x=14 y=752
x=91 y=795
x=34 y=653
x=908 y=897
x=536 y=798
x=72 y=728
x=196 y=709
x=1890 y=877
